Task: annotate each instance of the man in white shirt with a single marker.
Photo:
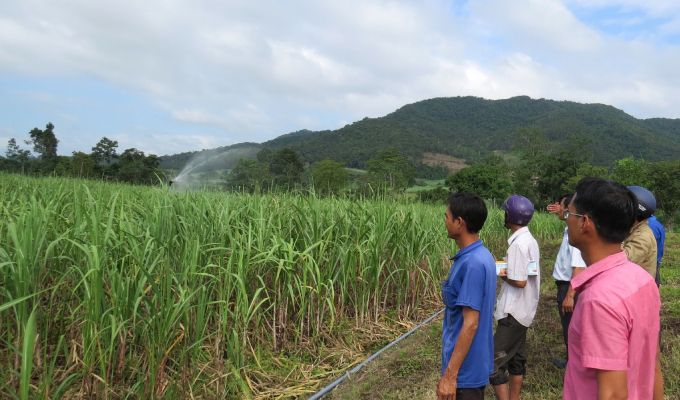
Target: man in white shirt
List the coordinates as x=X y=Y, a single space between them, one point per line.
x=518 y=299
x=568 y=264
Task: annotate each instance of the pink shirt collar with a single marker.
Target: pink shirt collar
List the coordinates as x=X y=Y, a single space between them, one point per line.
x=605 y=264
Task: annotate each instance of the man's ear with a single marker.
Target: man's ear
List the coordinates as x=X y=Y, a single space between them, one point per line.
x=463 y=224
x=588 y=225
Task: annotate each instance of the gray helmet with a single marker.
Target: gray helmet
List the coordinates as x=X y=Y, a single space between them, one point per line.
x=518 y=209
x=646 y=201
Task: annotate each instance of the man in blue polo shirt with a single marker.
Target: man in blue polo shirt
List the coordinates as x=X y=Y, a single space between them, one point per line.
x=660 y=236
x=469 y=295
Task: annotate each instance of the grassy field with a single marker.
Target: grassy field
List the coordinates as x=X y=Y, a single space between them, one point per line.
x=410 y=370
x=426 y=184
x=115 y=291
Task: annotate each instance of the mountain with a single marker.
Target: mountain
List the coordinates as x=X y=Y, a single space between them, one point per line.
x=471 y=127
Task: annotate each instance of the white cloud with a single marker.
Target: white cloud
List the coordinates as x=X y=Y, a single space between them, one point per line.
x=70 y=117
x=572 y=61
x=203 y=55
x=662 y=15
x=250 y=71
x=242 y=121
x=161 y=143
x=656 y=7
x=545 y=25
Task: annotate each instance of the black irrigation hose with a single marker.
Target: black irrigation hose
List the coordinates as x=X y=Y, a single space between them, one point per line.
x=358 y=367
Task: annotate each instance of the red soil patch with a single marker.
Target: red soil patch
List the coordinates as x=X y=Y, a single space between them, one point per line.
x=454 y=164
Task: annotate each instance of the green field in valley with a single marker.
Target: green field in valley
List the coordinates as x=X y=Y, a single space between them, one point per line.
x=426 y=184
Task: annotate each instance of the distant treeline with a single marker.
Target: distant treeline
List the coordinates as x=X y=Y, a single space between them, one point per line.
x=103 y=162
x=539 y=169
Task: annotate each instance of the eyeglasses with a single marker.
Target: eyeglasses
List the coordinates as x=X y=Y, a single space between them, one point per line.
x=567 y=214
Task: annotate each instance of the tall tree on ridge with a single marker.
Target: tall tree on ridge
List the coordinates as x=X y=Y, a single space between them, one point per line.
x=45 y=143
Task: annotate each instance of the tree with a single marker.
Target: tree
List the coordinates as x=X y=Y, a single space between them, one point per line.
x=250 y=175
x=63 y=167
x=665 y=177
x=105 y=151
x=584 y=171
x=12 y=149
x=533 y=146
x=286 y=167
x=438 y=195
x=531 y=142
x=330 y=177
x=44 y=143
x=15 y=154
x=131 y=166
x=486 y=181
x=134 y=167
x=495 y=160
x=557 y=168
x=390 y=168
x=544 y=171
x=82 y=165
x=151 y=162
x=265 y=156
x=631 y=172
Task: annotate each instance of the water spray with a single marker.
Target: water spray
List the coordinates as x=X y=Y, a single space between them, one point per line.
x=186 y=170
x=201 y=160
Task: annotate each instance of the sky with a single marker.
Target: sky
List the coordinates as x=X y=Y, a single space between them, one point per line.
x=173 y=76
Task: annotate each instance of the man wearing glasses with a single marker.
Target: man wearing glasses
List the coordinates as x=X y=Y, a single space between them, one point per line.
x=614 y=330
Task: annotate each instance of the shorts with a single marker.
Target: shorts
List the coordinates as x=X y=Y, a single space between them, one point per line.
x=510 y=337
x=470 y=394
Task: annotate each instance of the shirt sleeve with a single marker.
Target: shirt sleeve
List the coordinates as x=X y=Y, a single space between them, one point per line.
x=472 y=288
x=576 y=258
x=638 y=249
x=604 y=337
x=518 y=261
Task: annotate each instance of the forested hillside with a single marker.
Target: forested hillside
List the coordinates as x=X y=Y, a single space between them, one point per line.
x=472 y=127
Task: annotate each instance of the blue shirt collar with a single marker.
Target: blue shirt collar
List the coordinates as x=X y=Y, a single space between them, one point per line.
x=466 y=250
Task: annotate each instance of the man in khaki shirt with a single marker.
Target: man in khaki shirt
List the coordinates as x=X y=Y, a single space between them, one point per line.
x=640 y=246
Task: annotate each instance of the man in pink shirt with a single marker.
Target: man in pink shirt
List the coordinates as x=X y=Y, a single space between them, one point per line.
x=614 y=330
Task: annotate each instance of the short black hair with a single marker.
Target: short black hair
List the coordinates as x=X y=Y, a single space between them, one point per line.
x=471 y=208
x=610 y=205
x=567 y=199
